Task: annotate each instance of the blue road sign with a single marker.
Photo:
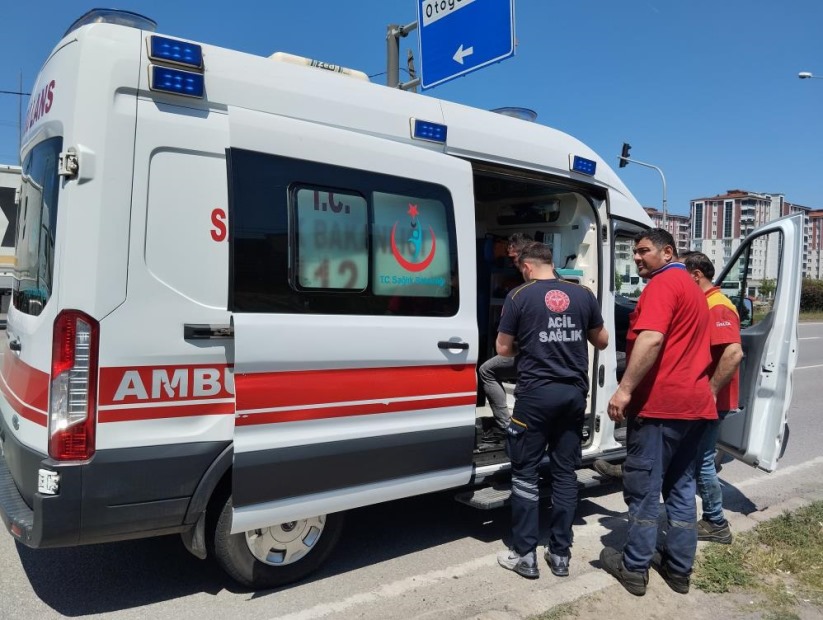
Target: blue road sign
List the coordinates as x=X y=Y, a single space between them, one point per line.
x=460 y=36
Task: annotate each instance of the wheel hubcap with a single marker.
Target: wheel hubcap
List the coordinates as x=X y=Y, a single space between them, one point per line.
x=285 y=543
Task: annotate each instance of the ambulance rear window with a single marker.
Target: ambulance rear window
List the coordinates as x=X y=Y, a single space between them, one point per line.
x=37 y=227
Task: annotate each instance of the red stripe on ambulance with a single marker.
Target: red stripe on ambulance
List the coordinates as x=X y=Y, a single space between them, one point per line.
x=315 y=394
x=25 y=387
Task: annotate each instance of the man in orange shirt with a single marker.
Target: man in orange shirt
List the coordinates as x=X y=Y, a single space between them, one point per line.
x=727 y=353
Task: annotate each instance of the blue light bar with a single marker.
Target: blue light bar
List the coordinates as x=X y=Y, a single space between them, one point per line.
x=177 y=82
x=424 y=130
x=174 y=51
x=583 y=165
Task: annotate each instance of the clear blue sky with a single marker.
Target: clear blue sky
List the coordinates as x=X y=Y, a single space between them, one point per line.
x=705 y=89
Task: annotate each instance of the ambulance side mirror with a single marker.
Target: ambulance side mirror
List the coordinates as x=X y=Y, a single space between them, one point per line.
x=745 y=309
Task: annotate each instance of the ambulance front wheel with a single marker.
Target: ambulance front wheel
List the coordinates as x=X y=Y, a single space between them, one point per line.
x=274 y=556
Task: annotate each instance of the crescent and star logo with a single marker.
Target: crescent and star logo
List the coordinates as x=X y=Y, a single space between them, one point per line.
x=415 y=243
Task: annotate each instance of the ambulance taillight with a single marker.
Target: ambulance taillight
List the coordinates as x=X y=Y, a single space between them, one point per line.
x=73 y=387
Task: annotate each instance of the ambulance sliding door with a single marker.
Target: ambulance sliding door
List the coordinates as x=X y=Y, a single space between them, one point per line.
x=757 y=434
x=353 y=300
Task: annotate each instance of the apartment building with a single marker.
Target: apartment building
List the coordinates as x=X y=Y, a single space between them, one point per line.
x=720 y=223
x=814 y=245
x=678 y=225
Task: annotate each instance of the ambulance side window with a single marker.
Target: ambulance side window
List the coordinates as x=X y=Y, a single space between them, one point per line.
x=36 y=228
x=309 y=237
x=332 y=239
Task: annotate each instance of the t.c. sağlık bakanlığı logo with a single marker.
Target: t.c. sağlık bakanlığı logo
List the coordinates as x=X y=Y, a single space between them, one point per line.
x=557 y=301
x=414 y=243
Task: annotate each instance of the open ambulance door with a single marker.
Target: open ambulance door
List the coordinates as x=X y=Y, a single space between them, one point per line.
x=763 y=279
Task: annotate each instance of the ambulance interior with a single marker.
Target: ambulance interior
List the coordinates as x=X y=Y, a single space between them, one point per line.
x=553 y=211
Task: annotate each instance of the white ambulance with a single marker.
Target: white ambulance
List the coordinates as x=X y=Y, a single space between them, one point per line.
x=251 y=295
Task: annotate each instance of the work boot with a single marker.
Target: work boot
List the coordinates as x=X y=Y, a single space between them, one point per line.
x=523 y=565
x=677 y=581
x=608 y=470
x=559 y=564
x=634 y=581
x=712 y=532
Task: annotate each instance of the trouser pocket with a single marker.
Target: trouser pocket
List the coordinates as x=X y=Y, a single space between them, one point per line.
x=516 y=442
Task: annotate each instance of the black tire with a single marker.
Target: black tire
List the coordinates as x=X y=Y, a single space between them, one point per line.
x=234 y=556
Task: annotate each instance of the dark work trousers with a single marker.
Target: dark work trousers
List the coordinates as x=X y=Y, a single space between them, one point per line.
x=660 y=459
x=547 y=416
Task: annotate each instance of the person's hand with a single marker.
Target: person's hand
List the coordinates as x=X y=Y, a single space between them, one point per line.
x=618 y=403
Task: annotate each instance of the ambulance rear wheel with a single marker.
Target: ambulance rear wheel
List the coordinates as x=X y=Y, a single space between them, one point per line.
x=274 y=556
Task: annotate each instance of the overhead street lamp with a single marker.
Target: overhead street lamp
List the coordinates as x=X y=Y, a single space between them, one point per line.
x=808 y=75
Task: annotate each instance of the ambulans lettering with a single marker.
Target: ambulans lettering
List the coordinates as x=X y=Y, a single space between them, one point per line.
x=218 y=220
x=40 y=105
x=165 y=384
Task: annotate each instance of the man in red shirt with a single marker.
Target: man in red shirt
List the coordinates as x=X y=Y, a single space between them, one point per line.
x=666 y=400
x=727 y=353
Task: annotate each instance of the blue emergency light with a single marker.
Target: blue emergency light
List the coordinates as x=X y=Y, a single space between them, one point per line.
x=177 y=82
x=583 y=165
x=425 y=130
x=174 y=51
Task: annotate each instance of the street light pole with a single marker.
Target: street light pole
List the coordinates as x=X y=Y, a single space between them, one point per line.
x=662 y=176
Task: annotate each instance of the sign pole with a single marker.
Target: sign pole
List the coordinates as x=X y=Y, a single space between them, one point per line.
x=393 y=34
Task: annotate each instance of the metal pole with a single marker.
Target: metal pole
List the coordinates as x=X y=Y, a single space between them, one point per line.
x=392 y=56
x=393 y=34
x=20 y=120
x=640 y=163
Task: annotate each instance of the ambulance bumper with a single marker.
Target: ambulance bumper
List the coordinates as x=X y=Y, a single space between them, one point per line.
x=118 y=495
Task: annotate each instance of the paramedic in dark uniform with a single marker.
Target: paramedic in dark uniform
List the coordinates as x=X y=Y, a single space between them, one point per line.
x=548 y=323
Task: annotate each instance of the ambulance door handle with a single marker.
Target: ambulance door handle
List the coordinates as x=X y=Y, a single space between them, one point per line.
x=448 y=344
x=207 y=331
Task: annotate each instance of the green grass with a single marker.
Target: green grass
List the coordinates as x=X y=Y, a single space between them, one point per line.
x=811 y=316
x=781 y=559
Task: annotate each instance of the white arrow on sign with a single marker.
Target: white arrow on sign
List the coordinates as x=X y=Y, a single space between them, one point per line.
x=461 y=53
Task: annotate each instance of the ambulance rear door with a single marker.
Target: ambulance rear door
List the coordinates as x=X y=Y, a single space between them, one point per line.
x=352 y=292
x=763 y=278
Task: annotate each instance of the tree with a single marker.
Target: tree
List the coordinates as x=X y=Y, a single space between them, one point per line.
x=767 y=288
x=618 y=282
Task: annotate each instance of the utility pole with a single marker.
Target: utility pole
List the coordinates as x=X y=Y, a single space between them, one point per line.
x=20 y=94
x=394 y=33
x=625 y=160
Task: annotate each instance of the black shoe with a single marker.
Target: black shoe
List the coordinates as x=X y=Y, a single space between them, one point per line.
x=494 y=435
x=711 y=532
x=523 y=565
x=634 y=581
x=559 y=564
x=677 y=581
x=608 y=470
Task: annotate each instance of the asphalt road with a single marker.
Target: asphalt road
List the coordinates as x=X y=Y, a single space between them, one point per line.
x=421 y=557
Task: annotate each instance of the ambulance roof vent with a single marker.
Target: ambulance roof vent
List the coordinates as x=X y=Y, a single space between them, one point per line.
x=524 y=114
x=114 y=16
x=319 y=64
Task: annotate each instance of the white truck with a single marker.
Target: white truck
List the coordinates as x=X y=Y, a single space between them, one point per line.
x=9 y=190
x=251 y=295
